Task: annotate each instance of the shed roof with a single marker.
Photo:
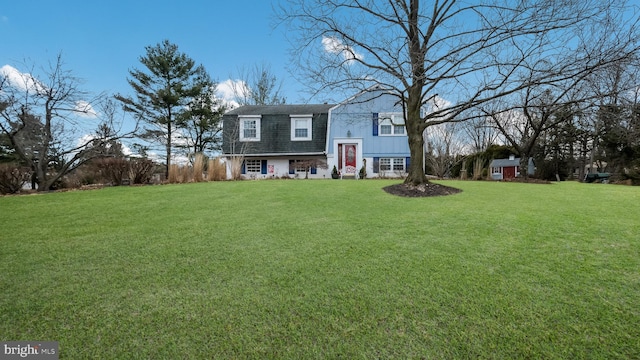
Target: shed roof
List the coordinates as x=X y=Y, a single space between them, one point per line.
x=505 y=162
x=509 y=162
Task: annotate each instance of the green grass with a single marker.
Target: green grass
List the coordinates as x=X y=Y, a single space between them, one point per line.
x=324 y=269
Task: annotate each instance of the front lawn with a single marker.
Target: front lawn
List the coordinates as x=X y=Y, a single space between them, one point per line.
x=324 y=269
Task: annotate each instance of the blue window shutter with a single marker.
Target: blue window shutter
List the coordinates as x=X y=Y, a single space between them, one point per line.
x=376 y=165
x=407 y=162
x=375 y=124
x=292 y=169
x=314 y=170
x=263 y=166
x=244 y=168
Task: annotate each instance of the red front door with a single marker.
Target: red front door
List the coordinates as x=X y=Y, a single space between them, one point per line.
x=348 y=159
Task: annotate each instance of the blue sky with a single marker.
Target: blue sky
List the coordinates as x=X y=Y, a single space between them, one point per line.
x=101 y=40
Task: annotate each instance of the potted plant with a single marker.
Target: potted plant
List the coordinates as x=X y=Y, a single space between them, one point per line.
x=334 y=173
x=363 y=169
x=363 y=173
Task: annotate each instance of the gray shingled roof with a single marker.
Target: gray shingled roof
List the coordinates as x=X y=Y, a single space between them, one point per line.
x=505 y=162
x=281 y=109
x=275 y=129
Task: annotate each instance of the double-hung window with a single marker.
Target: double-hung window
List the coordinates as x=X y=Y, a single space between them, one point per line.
x=392 y=164
x=301 y=129
x=398 y=164
x=253 y=166
x=249 y=128
x=385 y=164
x=300 y=167
x=391 y=124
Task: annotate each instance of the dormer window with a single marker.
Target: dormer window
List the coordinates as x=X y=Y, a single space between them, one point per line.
x=301 y=127
x=249 y=127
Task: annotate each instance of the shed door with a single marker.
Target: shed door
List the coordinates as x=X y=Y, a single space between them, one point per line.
x=509 y=172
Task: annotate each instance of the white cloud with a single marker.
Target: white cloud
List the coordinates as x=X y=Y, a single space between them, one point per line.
x=437 y=104
x=27 y=82
x=229 y=90
x=333 y=45
x=441 y=103
x=85 y=109
x=126 y=150
x=225 y=89
x=85 y=139
x=22 y=81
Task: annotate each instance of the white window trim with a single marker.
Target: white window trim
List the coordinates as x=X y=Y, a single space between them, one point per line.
x=393 y=119
x=298 y=168
x=253 y=166
x=396 y=161
x=384 y=160
x=392 y=161
x=309 y=120
x=242 y=119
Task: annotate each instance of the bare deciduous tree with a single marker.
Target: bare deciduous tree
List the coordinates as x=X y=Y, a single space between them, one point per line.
x=257 y=85
x=540 y=111
x=467 y=52
x=48 y=119
x=480 y=133
x=443 y=146
x=234 y=149
x=615 y=109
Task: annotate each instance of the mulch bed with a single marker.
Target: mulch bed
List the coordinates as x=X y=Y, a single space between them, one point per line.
x=423 y=190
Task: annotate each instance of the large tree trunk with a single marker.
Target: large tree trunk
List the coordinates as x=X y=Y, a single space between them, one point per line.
x=415 y=128
x=524 y=166
x=414 y=124
x=416 y=174
x=166 y=173
x=44 y=181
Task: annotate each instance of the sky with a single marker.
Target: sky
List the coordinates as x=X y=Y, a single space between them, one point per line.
x=100 y=41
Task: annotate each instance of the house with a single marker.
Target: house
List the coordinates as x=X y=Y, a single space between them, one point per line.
x=276 y=140
x=368 y=130
x=502 y=169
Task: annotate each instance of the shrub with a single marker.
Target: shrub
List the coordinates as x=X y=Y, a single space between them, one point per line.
x=198 y=167
x=552 y=169
x=236 y=168
x=12 y=177
x=180 y=174
x=216 y=170
x=71 y=181
x=86 y=174
x=363 y=169
x=478 y=169
x=173 y=174
x=141 y=171
x=114 y=170
x=185 y=174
